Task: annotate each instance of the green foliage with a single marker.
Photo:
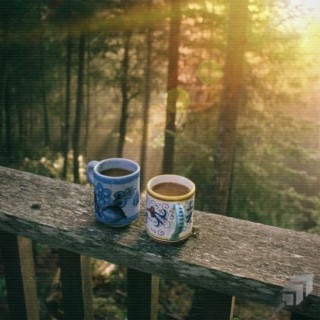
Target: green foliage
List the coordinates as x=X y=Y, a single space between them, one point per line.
x=175 y=300
x=275 y=176
x=47 y=163
x=108 y=306
x=194 y=154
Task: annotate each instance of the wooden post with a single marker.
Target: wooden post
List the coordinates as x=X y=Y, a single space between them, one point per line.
x=20 y=276
x=211 y=305
x=76 y=285
x=142 y=291
x=86 y=277
x=296 y=316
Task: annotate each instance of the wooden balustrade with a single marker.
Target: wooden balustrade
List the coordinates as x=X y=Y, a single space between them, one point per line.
x=229 y=257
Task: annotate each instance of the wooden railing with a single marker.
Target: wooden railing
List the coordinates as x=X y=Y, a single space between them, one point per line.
x=228 y=256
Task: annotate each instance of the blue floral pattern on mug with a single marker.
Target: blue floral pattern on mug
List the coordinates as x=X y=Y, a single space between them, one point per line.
x=136 y=198
x=109 y=207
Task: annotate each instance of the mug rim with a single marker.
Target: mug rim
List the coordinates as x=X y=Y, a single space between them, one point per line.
x=117 y=179
x=169 y=178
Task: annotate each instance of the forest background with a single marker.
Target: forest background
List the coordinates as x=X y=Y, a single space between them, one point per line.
x=151 y=81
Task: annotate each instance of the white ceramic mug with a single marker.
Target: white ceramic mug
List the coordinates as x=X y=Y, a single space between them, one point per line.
x=169 y=208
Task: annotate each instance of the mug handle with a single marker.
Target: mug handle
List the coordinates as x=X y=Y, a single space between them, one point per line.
x=180 y=221
x=90 y=167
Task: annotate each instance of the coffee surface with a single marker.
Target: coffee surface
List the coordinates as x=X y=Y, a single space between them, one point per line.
x=115 y=172
x=170 y=189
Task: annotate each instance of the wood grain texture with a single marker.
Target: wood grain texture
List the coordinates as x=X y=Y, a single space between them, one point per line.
x=231 y=256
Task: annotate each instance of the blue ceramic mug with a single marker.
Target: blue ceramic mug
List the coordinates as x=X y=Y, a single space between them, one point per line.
x=116 y=183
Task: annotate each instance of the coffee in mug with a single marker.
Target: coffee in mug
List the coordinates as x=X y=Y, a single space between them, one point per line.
x=171 y=189
x=115 y=172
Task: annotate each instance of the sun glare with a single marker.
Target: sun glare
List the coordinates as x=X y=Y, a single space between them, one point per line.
x=308 y=4
x=305 y=11
x=304 y=18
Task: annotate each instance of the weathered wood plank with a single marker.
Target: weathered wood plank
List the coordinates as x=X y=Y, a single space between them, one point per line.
x=231 y=256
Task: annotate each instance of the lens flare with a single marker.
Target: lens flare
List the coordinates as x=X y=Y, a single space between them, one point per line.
x=209 y=72
x=182 y=102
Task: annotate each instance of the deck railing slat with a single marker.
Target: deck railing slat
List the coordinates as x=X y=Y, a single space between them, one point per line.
x=140 y=295
x=29 y=278
x=296 y=316
x=70 y=264
x=209 y=304
x=86 y=277
x=18 y=266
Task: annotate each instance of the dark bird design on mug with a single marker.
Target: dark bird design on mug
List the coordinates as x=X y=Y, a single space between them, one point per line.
x=109 y=207
x=160 y=217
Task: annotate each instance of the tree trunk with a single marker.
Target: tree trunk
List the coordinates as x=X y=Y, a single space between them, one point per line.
x=172 y=84
x=2 y=97
x=8 y=122
x=225 y=149
x=3 y=81
x=79 y=109
x=1 y=123
x=125 y=94
x=230 y=103
x=21 y=115
x=146 y=102
x=66 y=134
x=47 y=139
x=87 y=120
